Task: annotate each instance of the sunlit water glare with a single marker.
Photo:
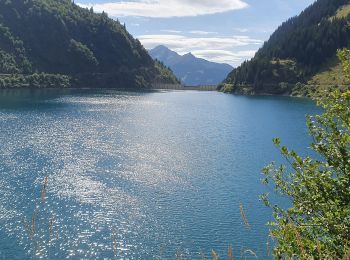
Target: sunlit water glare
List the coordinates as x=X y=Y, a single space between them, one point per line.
x=151 y=173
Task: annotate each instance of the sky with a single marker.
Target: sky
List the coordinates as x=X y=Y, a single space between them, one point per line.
x=225 y=31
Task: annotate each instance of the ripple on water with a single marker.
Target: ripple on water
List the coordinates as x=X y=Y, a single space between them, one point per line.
x=145 y=173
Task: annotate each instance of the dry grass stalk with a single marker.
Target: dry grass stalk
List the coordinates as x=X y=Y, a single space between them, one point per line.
x=251 y=252
x=319 y=249
x=28 y=229
x=34 y=226
x=268 y=250
x=51 y=228
x=33 y=223
x=178 y=255
x=347 y=255
x=298 y=238
x=161 y=252
x=114 y=242
x=244 y=216
x=215 y=255
x=202 y=256
x=43 y=192
x=230 y=253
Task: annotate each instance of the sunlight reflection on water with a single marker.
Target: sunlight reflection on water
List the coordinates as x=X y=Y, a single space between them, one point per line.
x=166 y=171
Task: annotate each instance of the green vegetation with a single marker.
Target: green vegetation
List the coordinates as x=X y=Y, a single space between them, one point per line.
x=343 y=12
x=299 y=51
x=70 y=46
x=165 y=74
x=34 y=80
x=329 y=77
x=317 y=225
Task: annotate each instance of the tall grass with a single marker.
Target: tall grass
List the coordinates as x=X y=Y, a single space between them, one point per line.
x=41 y=232
x=40 y=229
x=241 y=209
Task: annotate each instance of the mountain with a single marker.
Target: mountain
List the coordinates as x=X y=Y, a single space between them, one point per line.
x=300 y=56
x=192 y=71
x=55 y=43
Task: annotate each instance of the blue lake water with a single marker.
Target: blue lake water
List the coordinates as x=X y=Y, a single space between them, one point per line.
x=138 y=175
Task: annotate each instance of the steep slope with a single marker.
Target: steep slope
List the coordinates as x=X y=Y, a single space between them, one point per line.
x=165 y=55
x=58 y=39
x=192 y=71
x=296 y=52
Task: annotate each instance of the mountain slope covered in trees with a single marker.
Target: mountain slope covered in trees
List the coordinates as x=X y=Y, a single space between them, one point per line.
x=55 y=43
x=298 y=55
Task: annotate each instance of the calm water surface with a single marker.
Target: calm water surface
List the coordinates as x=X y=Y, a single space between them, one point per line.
x=139 y=175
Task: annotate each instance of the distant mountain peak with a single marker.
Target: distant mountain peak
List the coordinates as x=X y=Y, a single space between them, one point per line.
x=189 y=55
x=191 y=70
x=161 y=48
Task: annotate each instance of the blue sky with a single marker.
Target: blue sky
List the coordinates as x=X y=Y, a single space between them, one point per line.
x=227 y=31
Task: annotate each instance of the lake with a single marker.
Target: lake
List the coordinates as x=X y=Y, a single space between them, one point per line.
x=138 y=175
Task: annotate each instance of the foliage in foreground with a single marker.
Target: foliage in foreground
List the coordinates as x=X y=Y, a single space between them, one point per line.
x=317 y=225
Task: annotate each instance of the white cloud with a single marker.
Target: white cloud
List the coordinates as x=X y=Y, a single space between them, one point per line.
x=182 y=43
x=171 y=31
x=255 y=30
x=167 y=8
x=202 y=32
x=225 y=56
x=242 y=30
x=218 y=49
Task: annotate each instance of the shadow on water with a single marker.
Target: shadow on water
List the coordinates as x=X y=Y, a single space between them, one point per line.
x=33 y=99
x=263 y=98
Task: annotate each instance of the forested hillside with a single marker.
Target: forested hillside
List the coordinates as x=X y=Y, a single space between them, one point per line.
x=55 y=43
x=298 y=54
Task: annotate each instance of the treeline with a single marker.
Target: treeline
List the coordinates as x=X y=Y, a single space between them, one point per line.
x=35 y=80
x=59 y=37
x=295 y=51
x=125 y=79
x=310 y=37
